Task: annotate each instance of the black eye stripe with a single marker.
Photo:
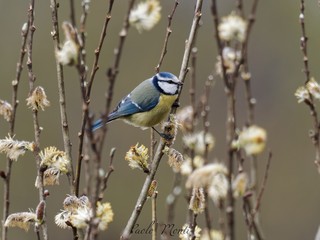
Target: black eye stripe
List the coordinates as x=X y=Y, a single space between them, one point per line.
x=170 y=81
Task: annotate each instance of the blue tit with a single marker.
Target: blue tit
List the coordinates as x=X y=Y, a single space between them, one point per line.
x=148 y=104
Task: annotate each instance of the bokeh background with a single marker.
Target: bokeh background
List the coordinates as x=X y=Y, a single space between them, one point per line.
x=290 y=207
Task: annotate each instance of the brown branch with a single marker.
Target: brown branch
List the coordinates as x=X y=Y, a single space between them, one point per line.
x=263 y=186
x=244 y=61
x=104 y=184
x=166 y=39
x=192 y=90
x=230 y=125
x=113 y=71
x=15 y=84
x=6 y=198
x=251 y=215
x=303 y=42
x=250 y=221
x=72 y=13
x=86 y=96
x=154 y=215
x=193 y=226
x=62 y=98
x=83 y=21
x=315 y=134
x=36 y=126
x=215 y=16
x=97 y=148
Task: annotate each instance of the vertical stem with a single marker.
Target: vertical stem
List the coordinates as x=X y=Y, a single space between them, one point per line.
x=6 y=198
x=193 y=226
x=166 y=39
x=230 y=153
x=315 y=134
x=62 y=98
x=32 y=79
x=86 y=96
x=154 y=216
x=72 y=13
x=113 y=71
x=15 y=84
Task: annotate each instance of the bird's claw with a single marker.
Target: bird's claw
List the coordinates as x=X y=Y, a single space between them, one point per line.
x=167 y=137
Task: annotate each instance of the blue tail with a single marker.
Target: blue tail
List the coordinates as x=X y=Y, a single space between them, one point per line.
x=97 y=124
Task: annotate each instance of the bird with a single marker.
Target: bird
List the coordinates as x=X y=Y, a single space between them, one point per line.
x=148 y=104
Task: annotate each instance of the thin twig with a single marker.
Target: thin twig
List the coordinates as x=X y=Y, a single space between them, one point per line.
x=83 y=21
x=251 y=219
x=250 y=222
x=263 y=186
x=113 y=71
x=315 y=134
x=244 y=61
x=231 y=123
x=166 y=39
x=15 y=84
x=154 y=215
x=38 y=234
x=215 y=16
x=159 y=153
x=303 y=42
x=86 y=97
x=193 y=226
x=36 y=125
x=72 y=13
x=97 y=51
x=205 y=112
x=62 y=98
x=192 y=90
x=97 y=150
x=104 y=184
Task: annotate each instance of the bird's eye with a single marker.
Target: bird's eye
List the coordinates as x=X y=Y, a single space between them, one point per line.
x=172 y=82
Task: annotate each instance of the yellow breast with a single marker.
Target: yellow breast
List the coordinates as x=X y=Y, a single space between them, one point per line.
x=155 y=115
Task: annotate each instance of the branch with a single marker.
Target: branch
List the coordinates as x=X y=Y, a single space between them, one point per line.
x=154 y=215
x=36 y=125
x=303 y=43
x=166 y=39
x=263 y=186
x=62 y=98
x=15 y=84
x=86 y=97
x=108 y=174
x=315 y=134
x=112 y=72
x=97 y=149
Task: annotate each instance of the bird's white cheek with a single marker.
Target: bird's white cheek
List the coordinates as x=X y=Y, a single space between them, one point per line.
x=168 y=88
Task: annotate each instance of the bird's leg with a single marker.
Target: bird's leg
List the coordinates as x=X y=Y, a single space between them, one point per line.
x=176 y=104
x=163 y=135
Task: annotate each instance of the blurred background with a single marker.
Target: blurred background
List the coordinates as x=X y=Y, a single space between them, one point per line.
x=290 y=206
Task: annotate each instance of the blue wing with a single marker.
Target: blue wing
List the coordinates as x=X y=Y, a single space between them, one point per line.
x=128 y=107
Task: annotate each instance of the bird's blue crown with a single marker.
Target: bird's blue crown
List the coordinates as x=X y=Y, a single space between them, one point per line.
x=165 y=76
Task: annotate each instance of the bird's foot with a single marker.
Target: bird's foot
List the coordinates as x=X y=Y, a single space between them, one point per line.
x=167 y=137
